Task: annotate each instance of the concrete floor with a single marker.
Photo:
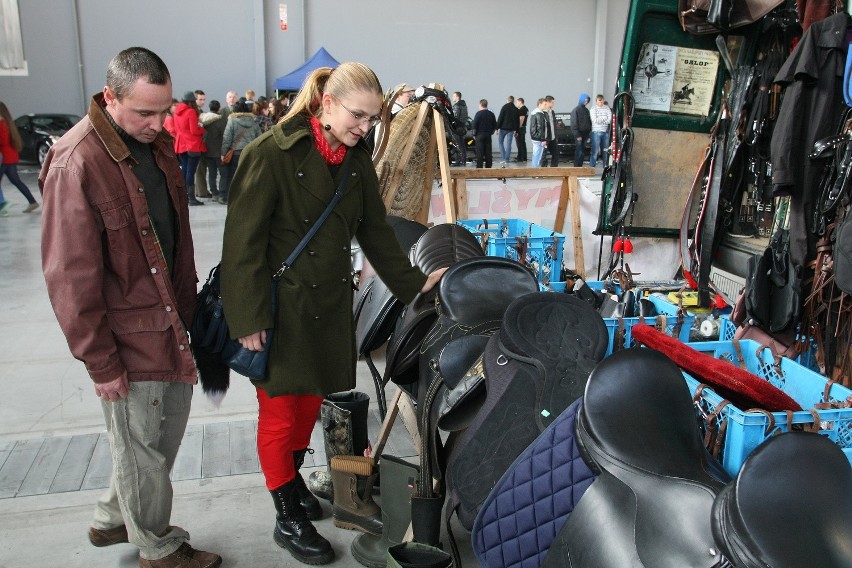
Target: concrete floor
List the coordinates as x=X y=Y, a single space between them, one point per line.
x=46 y=393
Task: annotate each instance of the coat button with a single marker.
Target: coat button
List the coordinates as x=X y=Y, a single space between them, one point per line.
x=144 y=232
x=354 y=174
x=316 y=318
x=182 y=347
x=153 y=271
x=168 y=308
x=346 y=248
x=314 y=286
x=300 y=174
x=306 y=221
x=311 y=253
x=141 y=189
x=344 y=280
x=155 y=402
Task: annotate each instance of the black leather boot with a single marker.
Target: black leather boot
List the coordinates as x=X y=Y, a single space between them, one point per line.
x=190 y=195
x=306 y=498
x=294 y=531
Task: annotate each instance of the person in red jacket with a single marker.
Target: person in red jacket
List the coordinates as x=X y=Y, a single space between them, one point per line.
x=10 y=145
x=189 y=142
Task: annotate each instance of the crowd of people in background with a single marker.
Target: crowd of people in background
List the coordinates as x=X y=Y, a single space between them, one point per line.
x=203 y=137
x=515 y=119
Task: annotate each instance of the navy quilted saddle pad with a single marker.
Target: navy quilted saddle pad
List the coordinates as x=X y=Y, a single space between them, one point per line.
x=528 y=506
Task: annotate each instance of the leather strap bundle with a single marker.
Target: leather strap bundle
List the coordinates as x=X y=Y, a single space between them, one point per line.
x=700 y=17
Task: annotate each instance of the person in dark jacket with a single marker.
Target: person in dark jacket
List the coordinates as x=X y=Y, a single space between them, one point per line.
x=214 y=130
x=484 y=127
x=284 y=181
x=521 y=132
x=460 y=112
x=581 y=127
x=508 y=121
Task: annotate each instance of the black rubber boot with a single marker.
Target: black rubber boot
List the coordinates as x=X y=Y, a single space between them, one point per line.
x=190 y=195
x=306 y=498
x=295 y=532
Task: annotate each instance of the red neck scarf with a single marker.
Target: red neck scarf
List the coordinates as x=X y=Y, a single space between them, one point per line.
x=331 y=157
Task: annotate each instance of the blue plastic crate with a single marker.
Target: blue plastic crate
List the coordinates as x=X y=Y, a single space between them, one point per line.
x=746 y=430
x=544 y=246
x=666 y=324
x=807 y=358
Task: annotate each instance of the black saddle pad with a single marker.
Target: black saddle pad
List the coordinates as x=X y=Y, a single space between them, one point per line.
x=650 y=504
x=790 y=505
x=529 y=382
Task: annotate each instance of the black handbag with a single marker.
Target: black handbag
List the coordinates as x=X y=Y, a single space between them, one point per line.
x=210 y=330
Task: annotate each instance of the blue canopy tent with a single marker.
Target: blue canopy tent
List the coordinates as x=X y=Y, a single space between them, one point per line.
x=293 y=80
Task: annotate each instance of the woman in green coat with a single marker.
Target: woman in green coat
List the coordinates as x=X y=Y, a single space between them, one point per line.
x=284 y=181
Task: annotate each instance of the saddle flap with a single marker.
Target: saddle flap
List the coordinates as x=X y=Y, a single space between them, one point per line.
x=458 y=356
x=477 y=290
x=638 y=413
x=379 y=313
x=813 y=529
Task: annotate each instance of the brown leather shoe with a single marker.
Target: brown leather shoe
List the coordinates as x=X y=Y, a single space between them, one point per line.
x=184 y=557
x=108 y=537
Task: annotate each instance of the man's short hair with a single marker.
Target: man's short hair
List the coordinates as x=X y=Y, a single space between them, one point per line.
x=457 y=93
x=549 y=98
x=541 y=100
x=214 y=106
x=599 y=98
x=511 y=99
x=133 y=64
x=521 y=100
x=199 y=92
x=483 y=102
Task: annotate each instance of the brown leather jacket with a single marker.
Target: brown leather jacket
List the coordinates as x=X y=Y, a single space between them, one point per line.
x=108 y=282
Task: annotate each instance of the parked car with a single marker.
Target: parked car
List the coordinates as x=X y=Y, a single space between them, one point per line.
x=40 y=131
x=565 y=140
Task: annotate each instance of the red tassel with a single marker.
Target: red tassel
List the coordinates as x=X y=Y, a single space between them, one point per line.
x=618 y=245
x=628 y=246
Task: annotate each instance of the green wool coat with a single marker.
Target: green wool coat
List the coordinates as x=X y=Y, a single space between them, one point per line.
x=281 y=186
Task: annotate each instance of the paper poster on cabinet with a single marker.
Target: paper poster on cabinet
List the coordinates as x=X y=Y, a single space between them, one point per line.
x=675 y=79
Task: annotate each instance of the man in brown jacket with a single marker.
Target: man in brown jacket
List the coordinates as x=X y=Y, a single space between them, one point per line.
x=118 y=260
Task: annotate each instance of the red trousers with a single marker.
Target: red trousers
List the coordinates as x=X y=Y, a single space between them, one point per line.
x=284 y=425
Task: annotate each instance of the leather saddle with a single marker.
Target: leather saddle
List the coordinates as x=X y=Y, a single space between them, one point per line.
x=790 y=505
x=473 y=296
x=441 y=246
x=656 y=482
x=375 y=308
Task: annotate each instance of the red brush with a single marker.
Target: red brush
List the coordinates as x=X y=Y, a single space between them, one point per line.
x=739 y=386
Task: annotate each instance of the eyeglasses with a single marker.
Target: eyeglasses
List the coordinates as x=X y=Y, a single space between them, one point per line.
x=361 y=117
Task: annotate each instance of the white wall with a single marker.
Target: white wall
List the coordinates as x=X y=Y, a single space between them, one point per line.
x=484 y=49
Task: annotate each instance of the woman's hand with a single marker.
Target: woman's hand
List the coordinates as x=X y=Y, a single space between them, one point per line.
x=255 y=341
x=432 y=279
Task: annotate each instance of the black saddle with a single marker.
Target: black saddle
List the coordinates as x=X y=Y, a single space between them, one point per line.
x=790 y=505
x=472 y=298
x=649 y=505
x=535 y=366
x=376 y=310
x=441 y=246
